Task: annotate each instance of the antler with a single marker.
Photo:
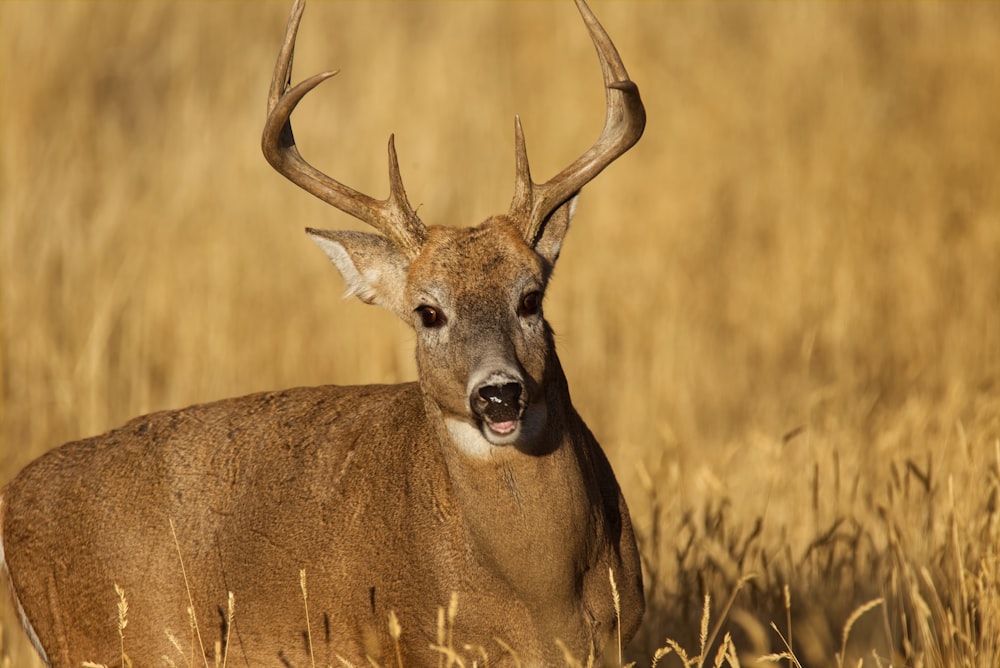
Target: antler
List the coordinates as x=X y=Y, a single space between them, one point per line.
x=393 y=216
x=623 y=125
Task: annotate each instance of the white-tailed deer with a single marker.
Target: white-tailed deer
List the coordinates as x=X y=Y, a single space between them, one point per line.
x=480 y=479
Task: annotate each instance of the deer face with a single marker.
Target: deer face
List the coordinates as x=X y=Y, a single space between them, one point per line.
x=482 y=344
x=474 y=298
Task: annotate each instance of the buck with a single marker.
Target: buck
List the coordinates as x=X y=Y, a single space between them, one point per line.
x=478 y=481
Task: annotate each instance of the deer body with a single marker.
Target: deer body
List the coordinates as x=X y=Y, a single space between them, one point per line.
x=396 y=541
x=480 y=480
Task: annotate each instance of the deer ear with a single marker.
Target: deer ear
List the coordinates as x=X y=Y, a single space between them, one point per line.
x=373 y=268
x=554 y=230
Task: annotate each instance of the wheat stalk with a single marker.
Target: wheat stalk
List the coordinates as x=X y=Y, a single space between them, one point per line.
x=788 y=617
x=858 y=612
x=395 y=631
x=452 y=615
x=305 y=601
x=122 y=623
x=616 y=599
x=703 y=632
x=230 y=616
x=187 y=588
x=510 y=652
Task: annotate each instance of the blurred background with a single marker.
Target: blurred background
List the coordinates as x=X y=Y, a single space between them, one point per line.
x=779 y=313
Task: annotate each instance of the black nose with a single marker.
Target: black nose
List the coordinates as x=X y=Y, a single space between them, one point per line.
x=506 y=395
x=499 y=402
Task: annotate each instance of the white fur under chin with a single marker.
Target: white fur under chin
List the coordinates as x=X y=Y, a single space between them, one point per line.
x=468 y=438
x=471 y=440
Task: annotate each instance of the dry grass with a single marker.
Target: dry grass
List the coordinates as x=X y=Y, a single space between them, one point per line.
x=780 y=313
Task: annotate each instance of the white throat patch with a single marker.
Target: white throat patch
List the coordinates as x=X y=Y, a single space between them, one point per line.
x=470 y=440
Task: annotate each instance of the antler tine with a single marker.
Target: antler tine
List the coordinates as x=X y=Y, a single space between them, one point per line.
x=520 y=206
x=623 y=125
x=393 y=216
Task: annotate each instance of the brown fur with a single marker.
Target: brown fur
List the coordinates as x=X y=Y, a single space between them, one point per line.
x=315 y=478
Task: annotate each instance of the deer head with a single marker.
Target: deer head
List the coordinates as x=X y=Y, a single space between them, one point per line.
x=473 y=295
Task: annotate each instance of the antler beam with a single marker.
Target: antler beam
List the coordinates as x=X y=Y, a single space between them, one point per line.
x=393 y=216
x=623 y=125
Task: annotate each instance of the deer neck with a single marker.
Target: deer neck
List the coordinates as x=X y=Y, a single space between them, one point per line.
x=523 y=507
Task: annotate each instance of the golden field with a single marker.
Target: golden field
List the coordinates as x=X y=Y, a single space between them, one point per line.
x=780 y=312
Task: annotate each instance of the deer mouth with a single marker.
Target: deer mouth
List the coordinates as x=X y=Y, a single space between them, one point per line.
x=505 y=428
x=501 y=432
x=501 y=422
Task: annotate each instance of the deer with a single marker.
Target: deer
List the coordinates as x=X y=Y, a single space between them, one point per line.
x=478 y=485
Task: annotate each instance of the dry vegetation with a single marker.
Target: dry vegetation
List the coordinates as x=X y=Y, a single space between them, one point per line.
x=780 y=313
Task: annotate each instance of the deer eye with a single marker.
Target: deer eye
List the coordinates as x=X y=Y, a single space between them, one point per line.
x=530 y=303
x=430 y=316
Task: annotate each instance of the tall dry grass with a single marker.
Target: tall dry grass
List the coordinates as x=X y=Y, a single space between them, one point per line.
x=780 y=312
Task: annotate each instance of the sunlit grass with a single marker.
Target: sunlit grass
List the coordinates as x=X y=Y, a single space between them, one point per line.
x=779 y=312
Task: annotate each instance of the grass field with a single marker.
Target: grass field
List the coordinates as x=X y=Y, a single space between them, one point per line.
x=780 y=313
